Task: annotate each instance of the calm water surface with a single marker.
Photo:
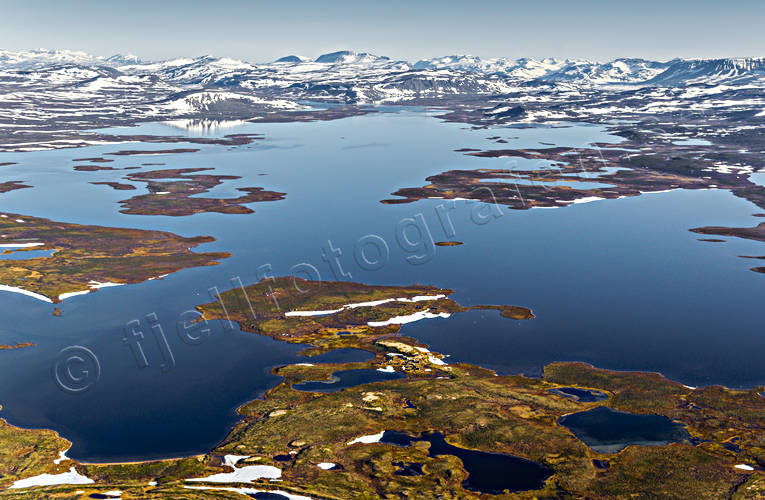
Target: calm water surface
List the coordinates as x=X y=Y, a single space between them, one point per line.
x=621 y=284
x=490 y=473
x=609 y=431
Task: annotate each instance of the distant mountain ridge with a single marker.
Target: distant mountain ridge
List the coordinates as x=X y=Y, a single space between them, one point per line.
x=711 y=71
x=232 y=72
x=38 y=58
x=44 y=92
x=34 y=84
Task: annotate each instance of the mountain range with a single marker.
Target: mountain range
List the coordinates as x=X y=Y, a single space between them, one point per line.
x=231 y=72
x=45 y=91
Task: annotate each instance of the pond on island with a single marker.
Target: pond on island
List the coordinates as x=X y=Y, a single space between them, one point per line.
x=609 y=431
x=491 y=473
x=347 y=378
x=581 y=395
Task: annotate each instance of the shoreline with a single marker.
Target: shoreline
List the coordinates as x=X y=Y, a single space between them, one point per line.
x=268 y=392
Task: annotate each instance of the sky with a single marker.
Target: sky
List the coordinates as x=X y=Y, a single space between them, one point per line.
x=260 y=31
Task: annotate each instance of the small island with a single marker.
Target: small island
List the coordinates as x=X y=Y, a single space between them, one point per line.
x=180 y=196
x=18 y=345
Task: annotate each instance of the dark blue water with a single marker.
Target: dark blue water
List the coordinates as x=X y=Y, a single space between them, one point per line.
x=347 y=378
x=342 y=356
x=621 y=284
x=608 y=431
x=408 y=469
x=581 y=395
x=491 y=473
x=264 y=495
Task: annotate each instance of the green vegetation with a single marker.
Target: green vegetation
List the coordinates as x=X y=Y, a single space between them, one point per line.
x=86 y=254
x=267 y=308
x=25 y=453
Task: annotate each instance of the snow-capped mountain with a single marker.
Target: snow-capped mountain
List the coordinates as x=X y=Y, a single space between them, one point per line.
x=122 y=60
x=522 y=69
x=469 y=63
x=617 y=71
x=349 y=57
x=329 y=69
x=201 y=71
x=710 y=71
x=63 y=90
x=342 y=67
x=40 y=58
x=293 y=59
x=43 y=57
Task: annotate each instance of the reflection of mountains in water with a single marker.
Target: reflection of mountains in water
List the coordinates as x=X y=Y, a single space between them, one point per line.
x=203 y=126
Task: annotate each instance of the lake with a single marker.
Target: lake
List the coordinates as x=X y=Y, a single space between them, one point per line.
x=621 y=284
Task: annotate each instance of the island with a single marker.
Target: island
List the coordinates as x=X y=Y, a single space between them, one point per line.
x=576 y=175
x=18 y=345
x=84 y=258
x=180 y=196
x=12 y=185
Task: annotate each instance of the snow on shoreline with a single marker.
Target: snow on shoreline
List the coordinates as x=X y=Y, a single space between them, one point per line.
x=13 y=289
x=61 y=457
x=92 y=285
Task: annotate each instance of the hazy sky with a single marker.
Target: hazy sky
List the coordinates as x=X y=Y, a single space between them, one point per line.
x=262 y=31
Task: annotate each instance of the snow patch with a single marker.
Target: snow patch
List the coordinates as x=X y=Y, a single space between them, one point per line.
x=371 y=438
x=372 y=303
x=436 y=361
x=71 y=477
x=586 y=199
x=246 y=474
x=20 y=245
x=61 y=457
x=410 y=318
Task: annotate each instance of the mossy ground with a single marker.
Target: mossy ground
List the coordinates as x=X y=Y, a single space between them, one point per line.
x=93 y=253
